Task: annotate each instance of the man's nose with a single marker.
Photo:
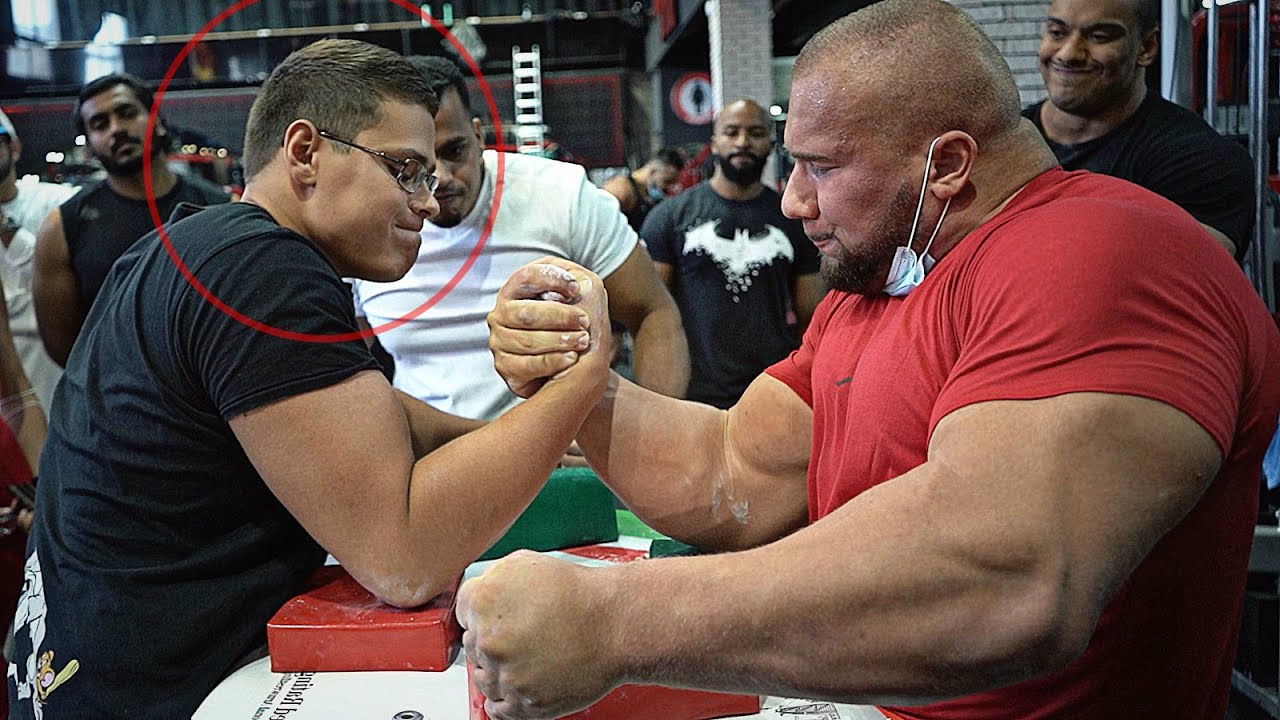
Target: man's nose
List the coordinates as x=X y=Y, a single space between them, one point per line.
x=423 y=204
x=444 y=173
x=798 y=199
x=1071 y=49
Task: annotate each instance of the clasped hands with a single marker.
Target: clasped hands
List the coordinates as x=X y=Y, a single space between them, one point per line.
x=549 y=315
x=534 y=624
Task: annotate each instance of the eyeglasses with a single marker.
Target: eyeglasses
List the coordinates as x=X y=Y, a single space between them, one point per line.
x=411 y=174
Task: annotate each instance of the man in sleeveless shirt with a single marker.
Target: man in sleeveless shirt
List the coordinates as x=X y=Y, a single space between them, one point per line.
x=78 y=244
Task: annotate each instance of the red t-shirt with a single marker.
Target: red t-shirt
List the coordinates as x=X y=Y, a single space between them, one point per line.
x=1083 y=283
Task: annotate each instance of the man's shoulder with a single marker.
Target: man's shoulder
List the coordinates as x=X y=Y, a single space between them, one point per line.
x=1170 y=131
x=46 y=193
x=194 y=186
x=89 y=194
x=535 y=168
x=1060 y=202
x=1165 y=122
x=699 y=195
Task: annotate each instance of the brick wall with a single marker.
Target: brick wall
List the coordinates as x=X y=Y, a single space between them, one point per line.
x=1014 y=26
x=741 y=50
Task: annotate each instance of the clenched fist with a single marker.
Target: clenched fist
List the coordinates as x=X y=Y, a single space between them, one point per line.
x=538 y=636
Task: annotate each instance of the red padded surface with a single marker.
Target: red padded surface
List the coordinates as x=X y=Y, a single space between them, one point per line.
x=340 y=626
x=639 y=702
x=645 y=702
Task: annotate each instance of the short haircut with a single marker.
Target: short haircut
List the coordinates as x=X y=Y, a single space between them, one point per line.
x=340 y=85
x=139 y=89
x=761 y=114
x=441 y=74
x=673 y=156
x=1148 y=15
x=928 y=66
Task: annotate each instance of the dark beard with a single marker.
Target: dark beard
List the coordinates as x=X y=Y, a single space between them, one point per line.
x=132 y=166
x=159 y=145
x=745 y=175
x=864 y=273
x=6 y=168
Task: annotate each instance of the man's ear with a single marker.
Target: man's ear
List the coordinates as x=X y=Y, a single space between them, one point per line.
x=953 y=158
x=15 y=148
x=475 y=126
x=1150 y=46
x=301 y=152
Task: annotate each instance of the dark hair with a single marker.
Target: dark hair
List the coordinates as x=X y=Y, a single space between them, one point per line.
x=672 y=156
x=1148 y=15
x=109 y=82
x=441 y=74
x=340 y=85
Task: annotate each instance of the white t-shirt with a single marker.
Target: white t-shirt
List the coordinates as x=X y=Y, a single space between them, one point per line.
x=546 y=208
x=28 y=210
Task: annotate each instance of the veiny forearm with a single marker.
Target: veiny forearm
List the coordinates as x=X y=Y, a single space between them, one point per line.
x=665 y=458
x=852 y=609
x=661 y=361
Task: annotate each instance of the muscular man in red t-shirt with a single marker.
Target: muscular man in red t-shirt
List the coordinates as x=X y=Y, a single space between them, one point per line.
x=1011 y=473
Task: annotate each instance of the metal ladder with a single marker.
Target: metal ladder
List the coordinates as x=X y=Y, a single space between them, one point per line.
x=526 y=77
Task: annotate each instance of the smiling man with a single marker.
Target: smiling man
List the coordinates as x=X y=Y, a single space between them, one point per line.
x=1101 y=116
x=77 y=244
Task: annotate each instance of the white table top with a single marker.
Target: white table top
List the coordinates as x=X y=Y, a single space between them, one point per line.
x=256 y=693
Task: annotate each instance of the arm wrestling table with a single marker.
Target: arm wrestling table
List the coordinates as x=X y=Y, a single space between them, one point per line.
x=256 y=693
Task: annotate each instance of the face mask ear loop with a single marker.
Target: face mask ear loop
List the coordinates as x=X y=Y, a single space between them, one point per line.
x=924 y=183
x=936 y=228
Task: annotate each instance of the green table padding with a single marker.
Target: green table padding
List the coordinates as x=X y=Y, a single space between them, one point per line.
x=629 y=524
x=574 y=508
x=666 y=547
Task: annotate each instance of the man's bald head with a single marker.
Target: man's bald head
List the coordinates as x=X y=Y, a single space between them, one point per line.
x=743 y=105
x=919 y=68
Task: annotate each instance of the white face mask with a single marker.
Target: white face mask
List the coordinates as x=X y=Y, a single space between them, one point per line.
x=907 y=270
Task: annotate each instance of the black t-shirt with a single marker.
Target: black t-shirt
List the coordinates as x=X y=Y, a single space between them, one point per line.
x=643 y=205
x=734 y=263
x=158 y=552
x=100 y=225
x=1171 y=151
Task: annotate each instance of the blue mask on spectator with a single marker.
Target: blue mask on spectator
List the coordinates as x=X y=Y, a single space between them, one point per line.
x=907 y=270
x=656 y=193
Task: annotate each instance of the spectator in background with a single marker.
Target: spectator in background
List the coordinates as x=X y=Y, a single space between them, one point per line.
x=1101 y=116
x=24 y=207
x=78 y=244
x=638 y=192
x=546 y=208
x=745 y=277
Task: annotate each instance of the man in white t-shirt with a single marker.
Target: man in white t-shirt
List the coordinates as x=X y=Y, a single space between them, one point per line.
x=545 y=208
x=24 y=207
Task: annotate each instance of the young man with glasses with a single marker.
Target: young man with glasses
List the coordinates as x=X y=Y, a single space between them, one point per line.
x=546 y=208
x=221 y=424
x=77 y=245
